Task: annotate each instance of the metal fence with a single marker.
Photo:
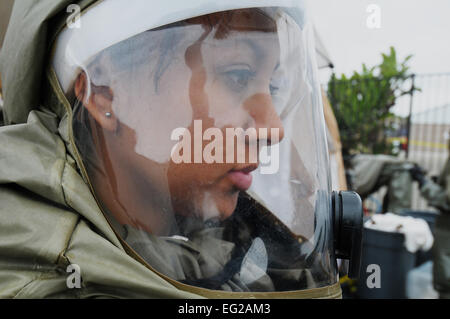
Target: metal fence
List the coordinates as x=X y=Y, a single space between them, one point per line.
x=428 y=114
x=422 y=130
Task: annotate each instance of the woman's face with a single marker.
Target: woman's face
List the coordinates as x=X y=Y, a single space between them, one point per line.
x=229 y=87
x=210 y=82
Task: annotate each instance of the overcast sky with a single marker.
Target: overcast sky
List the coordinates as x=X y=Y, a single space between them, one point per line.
x=417 y=27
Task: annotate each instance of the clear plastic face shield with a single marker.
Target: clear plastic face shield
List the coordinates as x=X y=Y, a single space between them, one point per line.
x=205 y=146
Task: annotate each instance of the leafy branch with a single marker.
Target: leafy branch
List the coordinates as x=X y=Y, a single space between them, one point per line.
x=362 y=104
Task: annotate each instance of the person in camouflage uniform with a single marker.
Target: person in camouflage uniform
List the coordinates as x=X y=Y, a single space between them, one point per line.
x=369 y=172
x=438 y=195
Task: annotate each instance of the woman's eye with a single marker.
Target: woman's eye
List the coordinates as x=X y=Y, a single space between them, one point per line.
x=277 y=82
x=273 y=89
x=239 y=79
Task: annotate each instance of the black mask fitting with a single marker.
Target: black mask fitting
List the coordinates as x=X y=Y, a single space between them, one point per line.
x=347 y=217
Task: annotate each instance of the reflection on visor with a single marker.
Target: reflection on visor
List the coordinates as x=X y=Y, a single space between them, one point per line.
x=204 y=144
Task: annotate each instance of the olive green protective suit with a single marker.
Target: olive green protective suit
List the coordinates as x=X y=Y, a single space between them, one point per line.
x=49 y=218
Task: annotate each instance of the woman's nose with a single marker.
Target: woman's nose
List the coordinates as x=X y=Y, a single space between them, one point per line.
x=263 y=116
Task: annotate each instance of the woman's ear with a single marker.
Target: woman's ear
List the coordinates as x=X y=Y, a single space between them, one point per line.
x=98 y=103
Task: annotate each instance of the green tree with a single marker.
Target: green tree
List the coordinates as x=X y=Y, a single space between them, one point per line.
x=362 y=104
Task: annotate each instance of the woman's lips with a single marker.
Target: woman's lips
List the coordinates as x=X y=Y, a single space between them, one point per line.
x=242 y=178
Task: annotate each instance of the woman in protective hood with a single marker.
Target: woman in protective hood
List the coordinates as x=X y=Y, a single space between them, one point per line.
x=169 y=153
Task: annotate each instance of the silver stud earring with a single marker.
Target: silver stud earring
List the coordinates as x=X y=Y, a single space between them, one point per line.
x=108 y=115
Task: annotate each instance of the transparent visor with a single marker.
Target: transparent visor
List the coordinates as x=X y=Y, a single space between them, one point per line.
x=205 y=145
